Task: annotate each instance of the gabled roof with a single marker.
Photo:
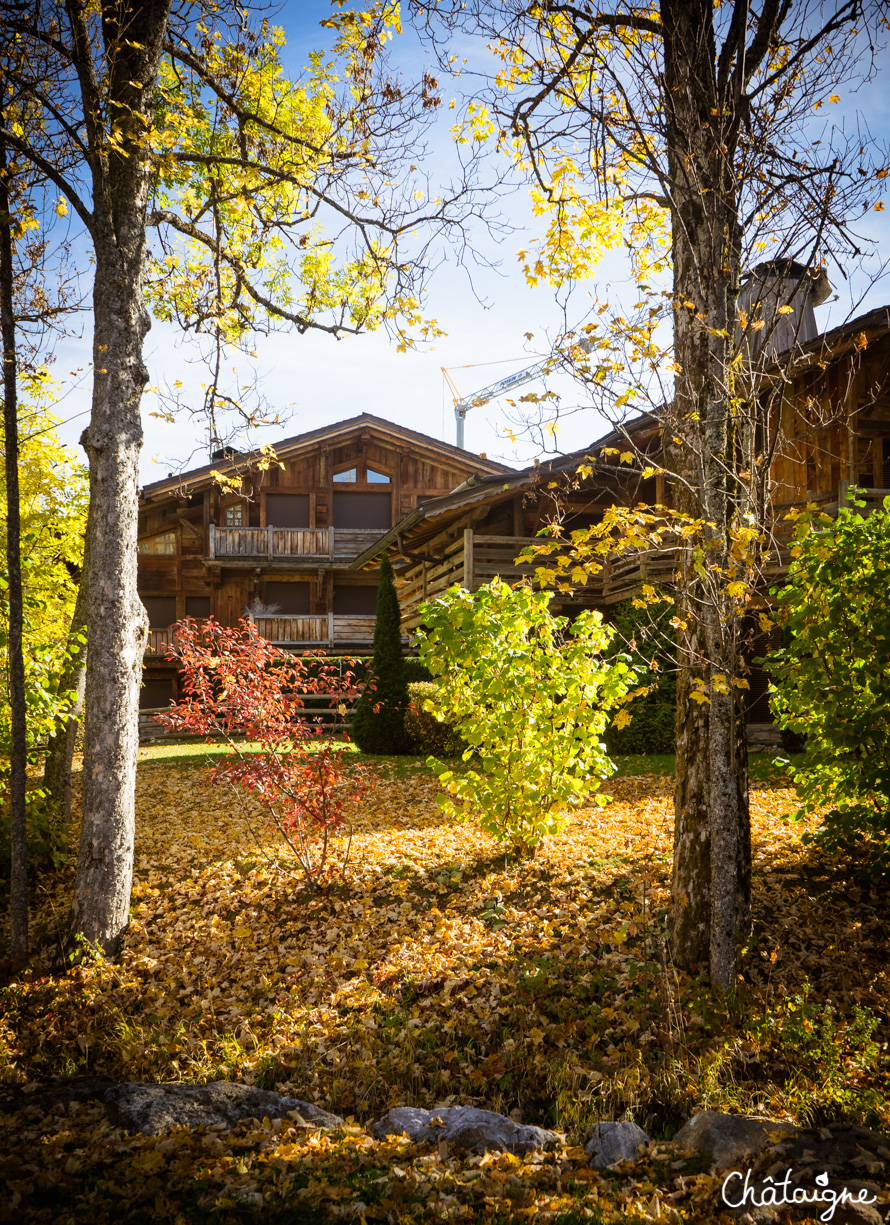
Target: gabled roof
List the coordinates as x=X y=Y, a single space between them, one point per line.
x=488 y=488
x=493 y=487
x=331 y=434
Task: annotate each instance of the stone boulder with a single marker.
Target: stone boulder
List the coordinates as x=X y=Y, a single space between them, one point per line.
x=155 y=1108
x=482 y=1131
x=152 y=1109
x=840 y=1155
x=614 y=1142
x=730 y=1138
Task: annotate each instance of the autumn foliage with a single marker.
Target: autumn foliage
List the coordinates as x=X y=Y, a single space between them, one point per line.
x=242 y=690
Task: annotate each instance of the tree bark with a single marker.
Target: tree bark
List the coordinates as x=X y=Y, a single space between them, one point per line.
x=712 y=824
x=117 y=628
x=18 y=752
x=690 y=914
x=72 y=685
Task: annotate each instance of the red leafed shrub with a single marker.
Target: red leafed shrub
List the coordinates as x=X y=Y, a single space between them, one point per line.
x=240 y=688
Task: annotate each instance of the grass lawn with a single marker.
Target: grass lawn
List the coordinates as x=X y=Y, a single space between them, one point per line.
x=437 y=970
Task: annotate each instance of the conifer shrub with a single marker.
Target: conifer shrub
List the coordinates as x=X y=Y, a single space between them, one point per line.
x=378 y=725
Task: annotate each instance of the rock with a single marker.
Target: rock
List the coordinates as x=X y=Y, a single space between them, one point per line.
x=730 y=1138
x=155 y=1108
x=614 y=1142
x=465 y=1127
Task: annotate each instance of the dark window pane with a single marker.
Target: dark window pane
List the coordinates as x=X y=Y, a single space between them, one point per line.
x=197 y=606
x=292 y=598
x=161 y=610
x=287 y=509
x=363 y=510
x=348 y=475
x=354 y=601
x=155 y=693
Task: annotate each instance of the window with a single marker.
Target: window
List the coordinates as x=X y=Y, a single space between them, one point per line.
x=234 y=515
x=292 y=599
x=368 y=510
x=159 y=544
x=161 y=610
x=349 y=475
x=377 y=478
x=287 y=509
x=155 y=693
x=197 y=606
x=354 y=601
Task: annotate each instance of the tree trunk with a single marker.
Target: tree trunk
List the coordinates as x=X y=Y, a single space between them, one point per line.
x=117 y=628
x=711 y=843
x=72 y=685
x=18 y=751
x=690 y=915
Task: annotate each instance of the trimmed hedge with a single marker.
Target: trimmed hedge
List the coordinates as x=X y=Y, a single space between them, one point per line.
x=426 y=733
x=651 y=730
x=646 y=635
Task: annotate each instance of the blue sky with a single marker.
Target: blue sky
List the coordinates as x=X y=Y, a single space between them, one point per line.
x=318 y=380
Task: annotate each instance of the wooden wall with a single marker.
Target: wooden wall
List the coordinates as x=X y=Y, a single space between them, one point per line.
x=414 y=476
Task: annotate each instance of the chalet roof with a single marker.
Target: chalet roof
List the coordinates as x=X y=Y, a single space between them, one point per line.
x=331 y=434
x=492 y=487
x=488 y=488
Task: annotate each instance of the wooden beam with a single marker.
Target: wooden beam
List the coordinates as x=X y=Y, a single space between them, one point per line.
x=468 y=558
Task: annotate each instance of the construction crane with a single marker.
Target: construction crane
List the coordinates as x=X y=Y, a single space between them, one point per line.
x=463 y=404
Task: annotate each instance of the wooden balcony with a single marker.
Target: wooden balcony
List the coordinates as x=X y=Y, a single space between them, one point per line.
x=327 y=630
x=315 y=545
x=158 y=641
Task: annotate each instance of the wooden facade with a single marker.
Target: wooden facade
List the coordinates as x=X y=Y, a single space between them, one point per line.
x=830 y=430
x=281 y=538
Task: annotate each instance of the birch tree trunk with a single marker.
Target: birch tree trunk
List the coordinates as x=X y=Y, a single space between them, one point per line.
x=133 y=38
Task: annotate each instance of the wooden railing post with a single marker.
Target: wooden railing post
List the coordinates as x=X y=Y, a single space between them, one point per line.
x=211 y=540
x=468 y=558
x=331 y=542
x=271 y=545
x=331 y=625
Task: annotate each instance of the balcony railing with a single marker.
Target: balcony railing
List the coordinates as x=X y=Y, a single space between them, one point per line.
x=158 y=641
x=315 y=544
x=325 y=630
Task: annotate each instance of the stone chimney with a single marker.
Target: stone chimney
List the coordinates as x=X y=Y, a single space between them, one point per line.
x=776 y=283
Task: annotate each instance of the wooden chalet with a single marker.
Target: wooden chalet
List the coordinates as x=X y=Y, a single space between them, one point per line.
x=833 y=431
x=277 y=542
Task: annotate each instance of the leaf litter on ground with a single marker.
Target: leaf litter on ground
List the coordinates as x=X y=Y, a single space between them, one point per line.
x=437 y=971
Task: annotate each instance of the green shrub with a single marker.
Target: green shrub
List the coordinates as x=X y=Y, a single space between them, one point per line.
x=48 y=841
x=416 y=671
x=427 y=734
x=832 y=677
x=531 y=696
